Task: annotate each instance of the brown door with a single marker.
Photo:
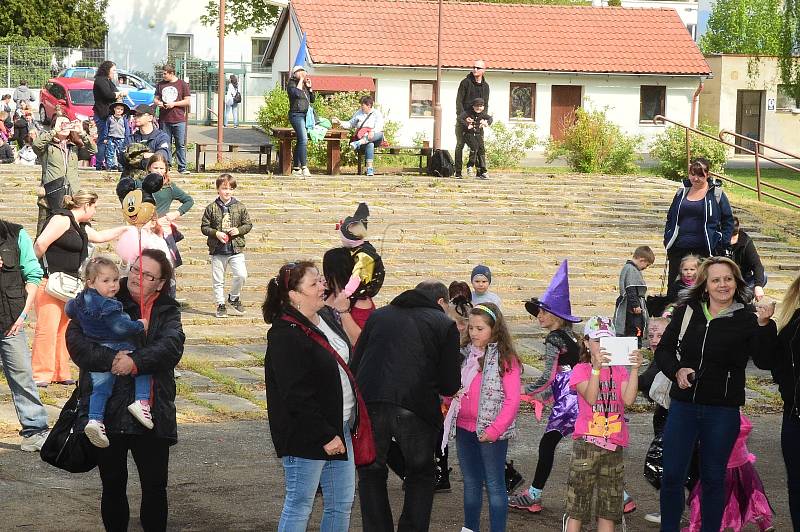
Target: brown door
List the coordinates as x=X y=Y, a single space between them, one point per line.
x=564 y=100
x=748 y=117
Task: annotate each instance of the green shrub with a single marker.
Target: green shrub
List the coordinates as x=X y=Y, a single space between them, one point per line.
x=594 y=144
x=506 y=146
x=669 y=148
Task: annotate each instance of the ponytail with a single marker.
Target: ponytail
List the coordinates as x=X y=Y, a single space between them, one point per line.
x=278 y=288
x=79 y=199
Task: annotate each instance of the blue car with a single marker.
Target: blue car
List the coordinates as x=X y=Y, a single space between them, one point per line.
x=140 y=91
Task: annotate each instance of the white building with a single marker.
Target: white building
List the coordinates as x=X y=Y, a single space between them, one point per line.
x=686 y=9
x=543 y=61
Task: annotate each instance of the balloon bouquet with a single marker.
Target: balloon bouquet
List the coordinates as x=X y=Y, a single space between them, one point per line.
x=138 y=207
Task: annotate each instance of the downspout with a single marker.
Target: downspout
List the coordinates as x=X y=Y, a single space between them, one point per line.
x=695 y=101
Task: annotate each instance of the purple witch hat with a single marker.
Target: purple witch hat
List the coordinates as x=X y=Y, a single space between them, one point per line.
x=556 y=298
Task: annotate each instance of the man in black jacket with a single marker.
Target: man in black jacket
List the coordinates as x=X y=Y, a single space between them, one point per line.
x=744 y=254
x=407 y=356
x=471 y=87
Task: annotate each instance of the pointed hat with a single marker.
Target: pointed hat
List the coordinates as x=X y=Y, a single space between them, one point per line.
x=556 y=298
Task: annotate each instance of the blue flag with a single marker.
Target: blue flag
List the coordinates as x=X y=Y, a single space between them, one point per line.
x=302 y=53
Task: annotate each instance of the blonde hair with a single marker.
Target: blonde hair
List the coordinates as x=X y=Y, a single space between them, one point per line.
x=690 y=256
x=698 y=292
x=79 y=199
x=97 y=263
x=790 y=303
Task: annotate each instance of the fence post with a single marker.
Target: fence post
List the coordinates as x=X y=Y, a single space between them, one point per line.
x=758 y=170
x=8 y=65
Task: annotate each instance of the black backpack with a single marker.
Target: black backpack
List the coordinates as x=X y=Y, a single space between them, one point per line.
x=440 y=164
x=237 y=98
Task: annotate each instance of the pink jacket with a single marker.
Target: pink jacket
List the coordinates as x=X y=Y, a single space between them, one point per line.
x=468 y=414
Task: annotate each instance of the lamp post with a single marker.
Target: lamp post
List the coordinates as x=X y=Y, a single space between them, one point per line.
x=221 y=80
x=437 y=106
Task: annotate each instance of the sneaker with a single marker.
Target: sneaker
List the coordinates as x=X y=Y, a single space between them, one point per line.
x=185 y=171
x=458 y=176
x=222 y=312
x=236 y=306
x=628 y=504
x=297 y=171
x=355 y=144
x=513 y=478
x=524 y=501
x=484 y=175
x=306 y=172
x=42 y=384
x=370 y=171
x=34 y=442
x=442 y=480
x=177 y=373
x=141 y=411
x=654 y=517
x=96 y=432
x=68 y=382
x=470 y=171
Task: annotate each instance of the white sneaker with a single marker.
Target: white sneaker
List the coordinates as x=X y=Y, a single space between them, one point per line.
x=34 y=442
x=297 y=172
x=654 y=517
x=96 y=432
x=141 y=411
x=306 y=172
x=470 y=171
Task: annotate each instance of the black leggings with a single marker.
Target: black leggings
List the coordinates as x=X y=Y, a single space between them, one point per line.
x=547 y=452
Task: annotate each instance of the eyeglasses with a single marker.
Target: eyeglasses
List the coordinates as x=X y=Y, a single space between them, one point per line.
x=135 y=270
x=478 y=68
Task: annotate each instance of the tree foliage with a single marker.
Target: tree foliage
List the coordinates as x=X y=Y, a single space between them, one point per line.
x=241 y=15
x=669 y=149
x=750 y=27
x=67 y=23
x=789 y=61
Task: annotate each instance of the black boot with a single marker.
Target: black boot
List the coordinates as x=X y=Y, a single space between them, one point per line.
x=442 y=472
x=513 y=478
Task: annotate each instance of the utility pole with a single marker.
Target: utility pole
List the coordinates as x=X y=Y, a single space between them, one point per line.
x=437 y=105
x=221 y=81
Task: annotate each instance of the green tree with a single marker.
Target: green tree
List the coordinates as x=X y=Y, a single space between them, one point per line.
x=68 y=23
x=750 y=27
x=241 y=15
x=789 y=59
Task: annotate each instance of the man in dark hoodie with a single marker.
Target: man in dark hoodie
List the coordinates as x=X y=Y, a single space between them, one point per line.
x=406 y=357
x=471 y=87
x=744 y=254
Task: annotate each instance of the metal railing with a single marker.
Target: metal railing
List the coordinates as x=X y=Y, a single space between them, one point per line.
x=757 y=152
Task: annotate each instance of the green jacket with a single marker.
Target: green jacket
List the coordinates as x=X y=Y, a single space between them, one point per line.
x=53 y=163
x=212 y=222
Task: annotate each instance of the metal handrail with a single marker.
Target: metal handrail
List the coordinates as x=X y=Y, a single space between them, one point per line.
x=757 y=153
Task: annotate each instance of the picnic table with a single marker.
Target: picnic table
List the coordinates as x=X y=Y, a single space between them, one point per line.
x=333 y=138
x=264 y=148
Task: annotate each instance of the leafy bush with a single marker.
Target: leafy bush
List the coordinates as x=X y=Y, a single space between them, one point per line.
x=506 y=146
x=669 y=148
x=594 y=144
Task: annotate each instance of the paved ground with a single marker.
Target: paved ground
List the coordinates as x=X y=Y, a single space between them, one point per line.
x=224 y=476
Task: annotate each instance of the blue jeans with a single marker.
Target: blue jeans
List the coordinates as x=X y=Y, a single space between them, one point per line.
x=483 y=463
x=790 y=435
x=231 y=110
x=113 y=147
x=102 y=134
x=16 y=359
x=369 y=147
x=177 y=132
x=338 y=481
x=102 y=386
x=716 y=428
x=300 y=156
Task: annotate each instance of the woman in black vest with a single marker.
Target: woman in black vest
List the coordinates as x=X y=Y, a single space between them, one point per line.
x=62 y=247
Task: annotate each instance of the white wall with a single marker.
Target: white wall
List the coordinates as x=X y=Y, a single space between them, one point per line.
x=687 y=9
x=137 y=38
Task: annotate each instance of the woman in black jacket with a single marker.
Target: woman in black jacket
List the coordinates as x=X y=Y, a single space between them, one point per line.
x=310 y=400
x=300 y=98
x=157 y=355
x=105 y=93
x=709 y=370
x=786 y=372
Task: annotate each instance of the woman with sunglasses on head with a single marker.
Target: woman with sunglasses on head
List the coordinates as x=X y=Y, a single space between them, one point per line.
x=699 y=221
x=143 y=295
x=311 y=402
x=717 y=334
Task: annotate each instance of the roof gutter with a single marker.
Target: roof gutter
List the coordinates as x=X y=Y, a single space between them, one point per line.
x=695 y=101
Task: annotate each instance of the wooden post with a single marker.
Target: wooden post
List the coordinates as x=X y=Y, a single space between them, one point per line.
x=221 y=81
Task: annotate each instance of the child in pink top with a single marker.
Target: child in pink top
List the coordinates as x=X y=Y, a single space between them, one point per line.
x=484 y=411
x=601 y=431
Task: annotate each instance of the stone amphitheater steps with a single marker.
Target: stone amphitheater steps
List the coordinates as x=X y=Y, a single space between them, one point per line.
x=522 y=226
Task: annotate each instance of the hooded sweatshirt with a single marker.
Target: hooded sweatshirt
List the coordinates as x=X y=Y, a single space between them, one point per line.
x=468 y=90
x=408 y=355
x=745 y=255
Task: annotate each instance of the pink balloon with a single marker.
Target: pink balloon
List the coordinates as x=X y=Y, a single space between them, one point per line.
x=128 y=245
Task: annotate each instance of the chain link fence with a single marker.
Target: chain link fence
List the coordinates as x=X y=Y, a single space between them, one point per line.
x=38 y=64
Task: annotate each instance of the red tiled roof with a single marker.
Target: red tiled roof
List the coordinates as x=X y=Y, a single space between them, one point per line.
x=506 y=36
x=343 y=83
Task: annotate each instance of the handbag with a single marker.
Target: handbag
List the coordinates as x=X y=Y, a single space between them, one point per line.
x=659 y=390
x=362 y=131
x=66 y=447
x=364 y=452
x=60 y=285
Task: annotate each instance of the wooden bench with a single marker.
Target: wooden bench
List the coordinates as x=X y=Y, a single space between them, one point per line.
x=261 y=149
x=417 y=151
x=285 y=136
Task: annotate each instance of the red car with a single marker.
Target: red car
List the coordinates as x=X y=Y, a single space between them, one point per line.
x=74 y=95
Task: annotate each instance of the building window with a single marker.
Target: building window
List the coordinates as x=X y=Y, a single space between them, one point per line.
x=785 y=101
x=652 y=102
x=179 y=45
x=259 y=47
x=692 y=29
x=422 y=96
x=522 y=101
x=284 y=79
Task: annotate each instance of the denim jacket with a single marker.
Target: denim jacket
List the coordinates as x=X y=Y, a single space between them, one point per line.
x=103 y=320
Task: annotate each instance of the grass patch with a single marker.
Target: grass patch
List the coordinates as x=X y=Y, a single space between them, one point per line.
x=227 y=384
x=781 y=177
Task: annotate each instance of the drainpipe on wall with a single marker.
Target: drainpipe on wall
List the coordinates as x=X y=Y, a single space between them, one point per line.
x=695 y=101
